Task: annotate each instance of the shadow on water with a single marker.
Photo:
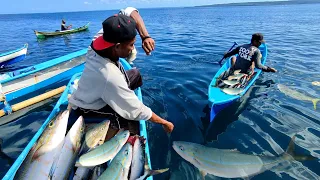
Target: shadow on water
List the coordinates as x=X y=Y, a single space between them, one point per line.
x=230 y=114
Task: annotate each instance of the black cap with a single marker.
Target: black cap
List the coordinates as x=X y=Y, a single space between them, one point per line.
x=258 y=37
x=116 y=29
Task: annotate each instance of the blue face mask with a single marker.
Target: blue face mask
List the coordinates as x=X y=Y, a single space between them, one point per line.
x=132 y=56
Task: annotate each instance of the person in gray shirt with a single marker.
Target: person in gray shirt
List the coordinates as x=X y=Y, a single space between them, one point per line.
x=249 y=56
x=105 y=88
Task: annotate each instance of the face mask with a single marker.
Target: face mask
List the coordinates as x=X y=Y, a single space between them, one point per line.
x=132 y=56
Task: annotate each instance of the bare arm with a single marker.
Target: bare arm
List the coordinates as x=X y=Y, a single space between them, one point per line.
x=147 y=42
x=168 y=126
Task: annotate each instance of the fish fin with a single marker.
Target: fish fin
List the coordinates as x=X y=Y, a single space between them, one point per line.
x=315 y=101
x=38 y=152
x=203 y=174
x=150 y=172
x=290 y=148
x=120 y=130
x=246 y=178
x=290 y=151
x=234 y=150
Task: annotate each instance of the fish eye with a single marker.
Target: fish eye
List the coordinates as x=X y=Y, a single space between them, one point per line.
x=51 y=123
x=181 y=148
x=81 y=129
x=126 y=152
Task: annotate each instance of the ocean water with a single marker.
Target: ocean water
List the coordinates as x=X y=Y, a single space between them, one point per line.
x=189 y=43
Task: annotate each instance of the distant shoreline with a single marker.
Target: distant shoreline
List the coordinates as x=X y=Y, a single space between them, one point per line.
x=264 y=3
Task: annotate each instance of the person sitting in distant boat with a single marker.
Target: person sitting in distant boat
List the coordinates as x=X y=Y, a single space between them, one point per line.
x=249 y=56
x=64 y=26
x=105 y=89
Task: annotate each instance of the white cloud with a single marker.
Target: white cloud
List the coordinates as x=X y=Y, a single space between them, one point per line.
x=87 y=3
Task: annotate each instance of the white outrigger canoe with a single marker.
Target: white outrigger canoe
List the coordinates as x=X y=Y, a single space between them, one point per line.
x=14 y=56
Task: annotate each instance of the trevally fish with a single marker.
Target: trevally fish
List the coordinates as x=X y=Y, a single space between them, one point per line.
x=140 y=169
x=94 y=135
x=297 y=95
x=232 y=91
x=230 y=163
x=230 y=82
x=69 y=151
x=99 y=130
x=39 y=160
x=316 y=83
x=120 y=165
x=137 y=159
x=81 y=173
x=148 y=172
x=105 y=152
x=97 y=172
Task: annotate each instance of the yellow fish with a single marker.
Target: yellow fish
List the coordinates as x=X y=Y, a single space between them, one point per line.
x=296 y=95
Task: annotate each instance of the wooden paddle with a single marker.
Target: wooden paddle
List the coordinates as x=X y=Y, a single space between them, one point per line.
x=234 y=44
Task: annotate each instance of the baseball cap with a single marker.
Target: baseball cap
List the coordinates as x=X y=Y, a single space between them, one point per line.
x=116 y=29
x=258 y=37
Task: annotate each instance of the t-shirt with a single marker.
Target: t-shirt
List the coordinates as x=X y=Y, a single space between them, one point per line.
x=247 y=53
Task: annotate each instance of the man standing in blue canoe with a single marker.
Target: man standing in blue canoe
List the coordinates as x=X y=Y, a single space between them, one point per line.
x=105 y=89
x=249 y=56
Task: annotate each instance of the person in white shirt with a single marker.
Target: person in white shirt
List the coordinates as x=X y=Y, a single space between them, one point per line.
x=105 y=89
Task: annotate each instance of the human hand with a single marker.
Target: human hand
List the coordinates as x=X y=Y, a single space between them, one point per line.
x=148 y=45
x=168 y=127
x=273 y=70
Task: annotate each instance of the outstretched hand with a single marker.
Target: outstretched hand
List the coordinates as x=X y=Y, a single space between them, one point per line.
x=168 y=127
x=148 y=45
x=273 y=70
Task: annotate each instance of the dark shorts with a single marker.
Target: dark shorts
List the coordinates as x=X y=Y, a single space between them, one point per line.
x=116 y=121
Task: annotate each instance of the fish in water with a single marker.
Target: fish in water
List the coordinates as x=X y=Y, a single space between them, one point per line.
x=105 y=152
x=94 y=135
x=297 y=95
x=230 y=82
x=316 y=83
x=120 y=165
x=39 y=160
x=69 y=151
x=232 y=91
x=231 y=163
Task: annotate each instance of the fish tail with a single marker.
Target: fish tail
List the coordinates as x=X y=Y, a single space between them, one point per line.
x=315 y=101
x=289 y=154
x=152 y=172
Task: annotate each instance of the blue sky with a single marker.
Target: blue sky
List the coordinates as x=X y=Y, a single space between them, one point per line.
x=38 y=6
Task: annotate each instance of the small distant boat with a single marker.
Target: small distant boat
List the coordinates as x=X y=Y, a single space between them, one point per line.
x=218 y=99
x=42 y=35
x=14 y=56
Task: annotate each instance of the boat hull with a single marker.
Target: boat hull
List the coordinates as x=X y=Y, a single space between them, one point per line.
x=42 y=75
x=13 y=56
x=42 y=35
x=62 y=102
x=218 y=100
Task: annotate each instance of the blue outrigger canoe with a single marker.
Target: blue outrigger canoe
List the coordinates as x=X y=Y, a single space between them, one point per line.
x=14 y=56
x=22 y=82
x=218 y=100
x=60 y=106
